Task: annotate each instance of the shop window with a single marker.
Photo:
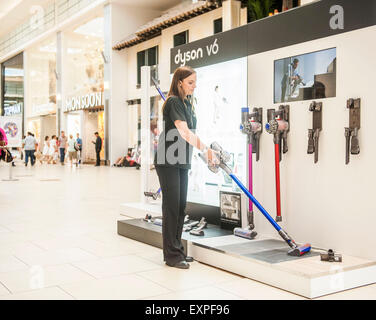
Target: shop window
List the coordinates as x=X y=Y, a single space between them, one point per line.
x=181 y=38
x=12 y=95
x=148 y=57
x=217 y=25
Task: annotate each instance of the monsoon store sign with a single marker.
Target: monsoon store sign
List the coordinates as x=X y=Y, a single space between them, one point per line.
x=90 y=100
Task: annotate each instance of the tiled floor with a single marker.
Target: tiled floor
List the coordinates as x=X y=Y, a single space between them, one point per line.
x=58 y=240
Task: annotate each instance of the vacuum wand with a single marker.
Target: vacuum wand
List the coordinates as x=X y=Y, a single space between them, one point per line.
x=278 y=126
x=295 y=249
x=158 y=89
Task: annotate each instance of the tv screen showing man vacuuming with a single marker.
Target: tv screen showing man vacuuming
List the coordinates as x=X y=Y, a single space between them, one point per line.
x=305 y=77
x=220 y=94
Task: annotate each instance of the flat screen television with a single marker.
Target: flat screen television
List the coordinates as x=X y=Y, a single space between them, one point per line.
x=305 y=77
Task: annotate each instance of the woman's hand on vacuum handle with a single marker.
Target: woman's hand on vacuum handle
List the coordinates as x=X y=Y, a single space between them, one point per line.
x=213 y=157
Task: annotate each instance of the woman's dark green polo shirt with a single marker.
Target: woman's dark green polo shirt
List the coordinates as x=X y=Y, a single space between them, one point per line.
x=173 y=150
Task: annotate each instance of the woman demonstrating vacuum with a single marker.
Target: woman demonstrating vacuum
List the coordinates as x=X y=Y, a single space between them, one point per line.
x=173 y=160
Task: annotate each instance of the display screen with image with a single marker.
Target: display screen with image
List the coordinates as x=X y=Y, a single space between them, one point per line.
x=220 y=94
x=305 y=77
x=230 y=206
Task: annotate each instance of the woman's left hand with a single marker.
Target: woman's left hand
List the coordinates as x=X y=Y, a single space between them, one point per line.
x=213 y=157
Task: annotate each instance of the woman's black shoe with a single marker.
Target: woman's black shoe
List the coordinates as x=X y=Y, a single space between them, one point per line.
x=189 y=259
x=181 y=265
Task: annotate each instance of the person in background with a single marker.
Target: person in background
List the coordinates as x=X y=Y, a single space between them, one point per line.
x=72 y=152
x=3 y=140
x=127 y=161
x=46 y=149
x=30 y=145
x=98 y=148
x=52 y=151
x=79 y=147
x=62 y=147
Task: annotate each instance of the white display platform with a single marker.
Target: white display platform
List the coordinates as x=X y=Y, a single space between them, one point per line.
x=139 y=209
x=308 y=277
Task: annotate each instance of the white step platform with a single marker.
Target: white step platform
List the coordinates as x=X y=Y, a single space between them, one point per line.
x=308 y=276
x=139 y=209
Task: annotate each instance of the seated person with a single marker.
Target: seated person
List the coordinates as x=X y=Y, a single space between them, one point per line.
x=130 y=159
x=127 y=161
x=118 y=162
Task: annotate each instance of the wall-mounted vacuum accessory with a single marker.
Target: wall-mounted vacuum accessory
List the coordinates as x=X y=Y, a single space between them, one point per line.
x=314 y=133
x=354 y=126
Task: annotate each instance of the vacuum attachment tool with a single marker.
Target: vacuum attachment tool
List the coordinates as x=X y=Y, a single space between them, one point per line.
x=198 y=230
x=330 y=256
x=154 y=195
x=245 y=233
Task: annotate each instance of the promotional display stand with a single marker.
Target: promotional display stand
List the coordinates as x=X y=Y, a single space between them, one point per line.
x=296 y=65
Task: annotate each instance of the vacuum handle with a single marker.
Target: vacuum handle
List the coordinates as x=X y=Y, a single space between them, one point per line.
x=316 y=144
x=257 y=145
x=311 y=143
x=347 y=136
x=284 y=139
x=354 y=142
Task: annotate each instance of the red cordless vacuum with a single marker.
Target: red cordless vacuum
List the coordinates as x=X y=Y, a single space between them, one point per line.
x=223 y=158
x=278 y=125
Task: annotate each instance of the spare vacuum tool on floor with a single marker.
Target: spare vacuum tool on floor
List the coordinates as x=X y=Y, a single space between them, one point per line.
x=158 y=221
x=278 y=125
x=190 y=225
x=198 y=230
x=222 y=156
x=331 y=256
x=148 y=218
x=154 y=195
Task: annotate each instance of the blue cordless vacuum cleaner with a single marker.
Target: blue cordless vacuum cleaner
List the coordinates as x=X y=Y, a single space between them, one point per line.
x=224 y=157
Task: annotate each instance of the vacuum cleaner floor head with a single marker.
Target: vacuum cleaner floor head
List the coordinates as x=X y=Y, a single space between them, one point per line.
x=299 y=251
x=245 y=233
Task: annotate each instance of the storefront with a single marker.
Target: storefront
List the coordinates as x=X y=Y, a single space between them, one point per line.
x=12 y=93
x=85 y=116
x=83 y=84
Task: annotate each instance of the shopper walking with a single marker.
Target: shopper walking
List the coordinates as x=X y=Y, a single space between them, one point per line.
x=62 y=147
x=52 y=151
x=79 y=148
x=72 y=152
x=172 y=167
x=98 y=148
x=46 y=149
x=30 y=145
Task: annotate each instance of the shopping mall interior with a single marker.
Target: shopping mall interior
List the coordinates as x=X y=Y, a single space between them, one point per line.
x=187 y=150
